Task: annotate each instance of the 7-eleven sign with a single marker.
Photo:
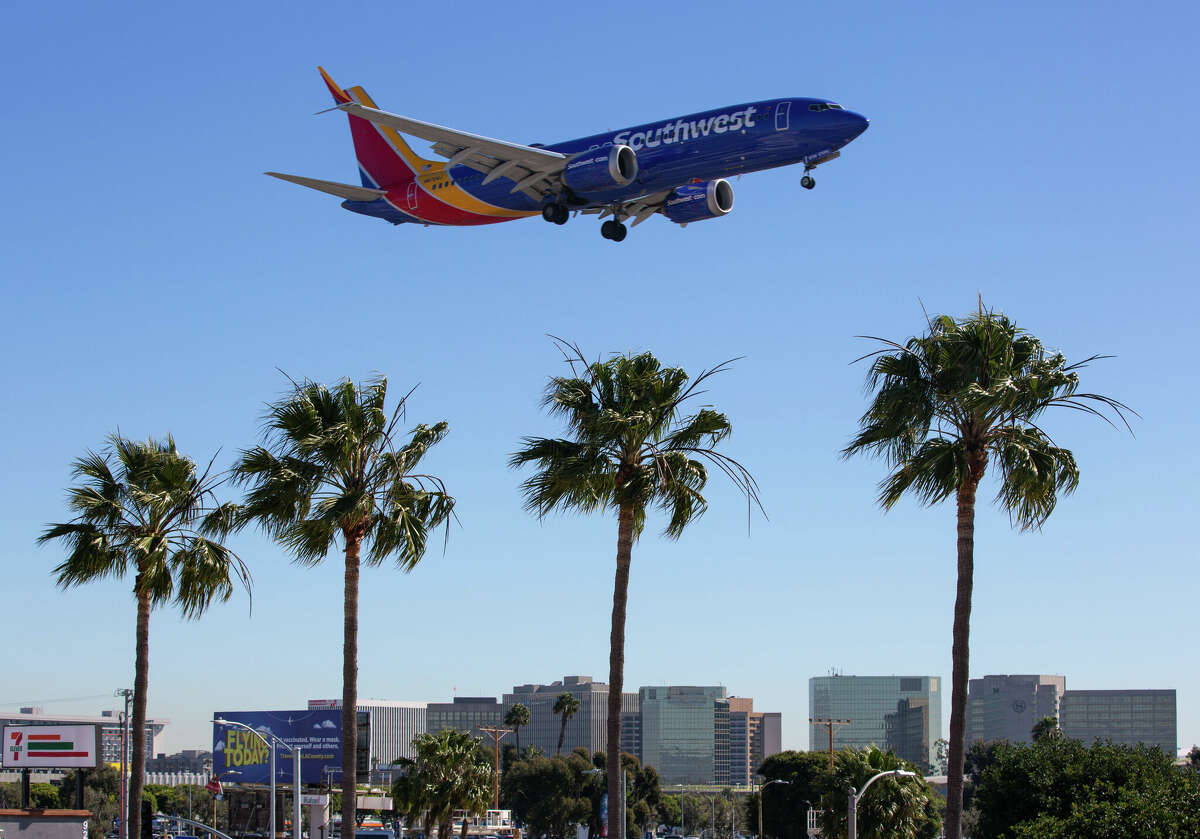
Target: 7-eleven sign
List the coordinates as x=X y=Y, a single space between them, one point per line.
x=50 y=746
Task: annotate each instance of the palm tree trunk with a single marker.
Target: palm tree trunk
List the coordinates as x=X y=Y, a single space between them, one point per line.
x=350 y=690
x=616 y=669
x=141 y=683
x=562 y=733
x=960 y=653
x=517 y=732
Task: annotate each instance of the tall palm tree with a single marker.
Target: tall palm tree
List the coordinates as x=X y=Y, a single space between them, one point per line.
x=142 y=508
x=631 y=447
x=517 y=717
x=565 y=706
x=945 y=403
x=334 y=467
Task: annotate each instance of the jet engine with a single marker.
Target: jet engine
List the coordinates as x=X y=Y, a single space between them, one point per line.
x=601 y=169
x=696 y=202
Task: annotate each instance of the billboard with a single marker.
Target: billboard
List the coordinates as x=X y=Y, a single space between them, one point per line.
x=50 y=746
x=240 y=757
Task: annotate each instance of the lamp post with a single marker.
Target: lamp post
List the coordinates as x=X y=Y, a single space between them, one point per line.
x=761 y=790
x=295 y=750
x=856 y=796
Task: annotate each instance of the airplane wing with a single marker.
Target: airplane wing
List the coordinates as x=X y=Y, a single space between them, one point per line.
x=533 y=170
x=639 y=209
x=351 y=193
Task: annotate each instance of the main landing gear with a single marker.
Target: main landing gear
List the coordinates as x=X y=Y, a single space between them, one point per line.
x=614 y=230
x=807 y=182
x=556 y=213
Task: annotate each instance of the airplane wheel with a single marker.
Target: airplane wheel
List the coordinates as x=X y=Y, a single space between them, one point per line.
x=807 y=182
x=550 y=212
x=613 y=230
x=561 y=214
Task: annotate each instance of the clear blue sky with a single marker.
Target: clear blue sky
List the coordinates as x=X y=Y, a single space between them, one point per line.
x=1042 y=155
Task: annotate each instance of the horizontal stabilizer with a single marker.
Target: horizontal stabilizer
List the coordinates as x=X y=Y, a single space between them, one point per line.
x=350 y=193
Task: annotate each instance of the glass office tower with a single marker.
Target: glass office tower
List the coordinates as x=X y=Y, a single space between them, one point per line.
x=901 y=713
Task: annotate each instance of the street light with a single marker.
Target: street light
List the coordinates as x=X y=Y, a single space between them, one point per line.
x=856 y=796
x=760 y=798
x=295 y=750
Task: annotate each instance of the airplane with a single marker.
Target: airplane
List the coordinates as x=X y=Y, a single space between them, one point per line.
x=678 y=167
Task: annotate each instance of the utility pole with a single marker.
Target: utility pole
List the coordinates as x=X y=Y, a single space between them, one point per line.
x=497 y=734
x=123 y=811
x=831 y=725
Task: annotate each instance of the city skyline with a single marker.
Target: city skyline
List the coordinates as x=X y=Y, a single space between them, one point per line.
x=157 y=282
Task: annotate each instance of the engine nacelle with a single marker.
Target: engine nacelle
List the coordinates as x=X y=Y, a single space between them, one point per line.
x=696 y=202
x=601 y=169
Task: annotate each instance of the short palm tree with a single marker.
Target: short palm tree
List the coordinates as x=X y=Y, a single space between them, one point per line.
x=565 y=706
x=947 y=402
x=334 y=467
x=517 y=717
x=142 y=508
x=450 y=771
x=631 y=448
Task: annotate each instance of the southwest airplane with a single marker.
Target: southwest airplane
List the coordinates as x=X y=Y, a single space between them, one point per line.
x=677 y=167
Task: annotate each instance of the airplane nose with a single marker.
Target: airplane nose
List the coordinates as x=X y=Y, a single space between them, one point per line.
x=855 y=124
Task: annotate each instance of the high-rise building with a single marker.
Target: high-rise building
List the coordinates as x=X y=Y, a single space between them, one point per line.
x=1128 y=717
x=685 y=733
x=465 y=713
x=110 y=728
x=631 y=733
x=753 y=737
x=1007 y=707
x=766 y=737
x=900 y=713
x=393 y=725
x=588 y=729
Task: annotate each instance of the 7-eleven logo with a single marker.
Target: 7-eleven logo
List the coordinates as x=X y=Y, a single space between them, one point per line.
x=15 y=746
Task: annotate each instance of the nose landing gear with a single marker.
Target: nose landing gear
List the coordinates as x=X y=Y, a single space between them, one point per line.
x=807 y=182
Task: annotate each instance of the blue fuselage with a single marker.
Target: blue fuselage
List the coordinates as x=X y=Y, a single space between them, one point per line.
x=700 y=147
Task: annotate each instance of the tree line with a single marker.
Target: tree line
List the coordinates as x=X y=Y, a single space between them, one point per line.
x=335 y=471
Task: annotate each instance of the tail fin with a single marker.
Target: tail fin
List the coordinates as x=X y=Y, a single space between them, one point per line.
x=384 y=158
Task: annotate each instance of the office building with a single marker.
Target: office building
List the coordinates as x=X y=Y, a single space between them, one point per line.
x=109 y=722
x=467 y=714
x=1127 y=717
x=899 y=713
x=392 y=725
x=685 y=733
x=1007 y=707
x=766 y=738
x=587 y=729
x=194 y=761
x=753 y=737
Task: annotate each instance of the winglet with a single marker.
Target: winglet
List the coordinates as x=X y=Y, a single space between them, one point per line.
x=340 y=96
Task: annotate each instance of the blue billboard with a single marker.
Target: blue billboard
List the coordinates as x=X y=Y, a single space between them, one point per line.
x=241 y=757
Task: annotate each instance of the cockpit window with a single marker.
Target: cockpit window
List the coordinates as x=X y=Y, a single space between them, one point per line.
x=826 y=106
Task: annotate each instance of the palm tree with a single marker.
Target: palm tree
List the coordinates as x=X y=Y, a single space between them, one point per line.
x=142 y=508
x=945 y=403
x=449 y=772
x=631 y=448
x=333 y=467
x=517 y=716
x=566 y=706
